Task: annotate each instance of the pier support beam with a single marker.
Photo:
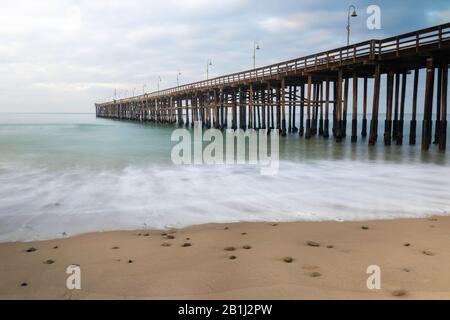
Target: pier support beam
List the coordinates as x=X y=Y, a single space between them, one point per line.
x=308 y=110
x=344 y=114
x=375 y=106
x=301 y=129
x=443 y=124
x=413 y=124
x=326 y=125
x=354 y=137
x=401 y=120
x=364 y=117
x=438 y=106
x=338 y=107
x=282 y=102
x=428 y=105
x=389 y=96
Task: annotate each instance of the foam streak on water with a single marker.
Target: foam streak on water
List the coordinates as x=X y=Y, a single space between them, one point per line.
x=103 y=175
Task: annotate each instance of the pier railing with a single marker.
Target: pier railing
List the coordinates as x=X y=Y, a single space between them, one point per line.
x=371 y=49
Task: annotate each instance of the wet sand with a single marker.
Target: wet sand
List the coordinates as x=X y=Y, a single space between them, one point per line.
x=294 y=260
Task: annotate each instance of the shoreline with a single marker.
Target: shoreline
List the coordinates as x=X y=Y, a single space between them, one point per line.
x=272 y=260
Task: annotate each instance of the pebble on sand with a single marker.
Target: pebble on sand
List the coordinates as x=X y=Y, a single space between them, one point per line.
x=24 y=284
x=232 y=257
x=312 y=243
x=288 y=259
x=365 y=227
x=186 y=244
x=330 y=246
x=49 y=261
x=428 y=252
x=31 y=249
x=130 y=261
x=247 y=247
x=170 y=237
x=55 y=247
x=399 y=293
x=231 y=248
x=315 y=274
x=407 y=244
x=115 y=248
x=165 y=244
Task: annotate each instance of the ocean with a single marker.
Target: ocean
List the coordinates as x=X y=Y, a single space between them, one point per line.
x=65 y=174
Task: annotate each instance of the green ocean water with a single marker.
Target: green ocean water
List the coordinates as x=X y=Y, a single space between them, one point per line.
x=73 y=173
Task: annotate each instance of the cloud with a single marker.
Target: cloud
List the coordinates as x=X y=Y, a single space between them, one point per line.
x=62 y=55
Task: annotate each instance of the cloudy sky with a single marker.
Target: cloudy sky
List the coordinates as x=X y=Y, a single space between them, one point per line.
x=63 y=55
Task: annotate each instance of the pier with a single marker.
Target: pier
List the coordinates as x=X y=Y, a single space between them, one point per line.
x=310 y=96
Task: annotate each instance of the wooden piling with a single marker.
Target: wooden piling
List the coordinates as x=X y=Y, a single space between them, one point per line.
x=444 y=91
x=282 y=94
x=301 y=130
x=308 y=110
x=338 y=107
x=401 y=120
x=413 y=123
x=375 y=106
x=437 y=125
x=354 y=136
x=428 y=105
x=364 y=117
x=326 y=124
x=389 y=96
x=344 y=113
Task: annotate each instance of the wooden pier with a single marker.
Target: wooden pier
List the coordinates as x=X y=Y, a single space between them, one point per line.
x=270 y=97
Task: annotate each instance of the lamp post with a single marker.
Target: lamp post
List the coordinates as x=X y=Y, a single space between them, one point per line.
x=255 y=47
x=159 y=80
x=350 y=15
x=208 y=63
x=178 y=78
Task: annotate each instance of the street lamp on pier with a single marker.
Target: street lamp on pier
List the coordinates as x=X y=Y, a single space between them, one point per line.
x=350 y=14
x=208 y=64
x=255 y=47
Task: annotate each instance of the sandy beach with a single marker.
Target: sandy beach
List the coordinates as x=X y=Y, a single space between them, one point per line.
x=294 y=260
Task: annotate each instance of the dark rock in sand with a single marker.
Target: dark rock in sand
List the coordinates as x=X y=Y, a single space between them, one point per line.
x=165 y=244
x=164 y=234
x=146 y=234
x=288 y=259
x=186 y=244
x=313 y=244
x=31 y=249
x=115 y=248
x=55 y=247
x=130 y=261
x=330 y=246
x=170 y=237
x=243 y=233
x=247 y=247
x=365 y=227
x=407 y=244
x=428 y=252
x=232 y=257
x=49 y=261
x=24 y=284
x=315 y=274
x=406 y=269
x=399 y=293
x=229 y=248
